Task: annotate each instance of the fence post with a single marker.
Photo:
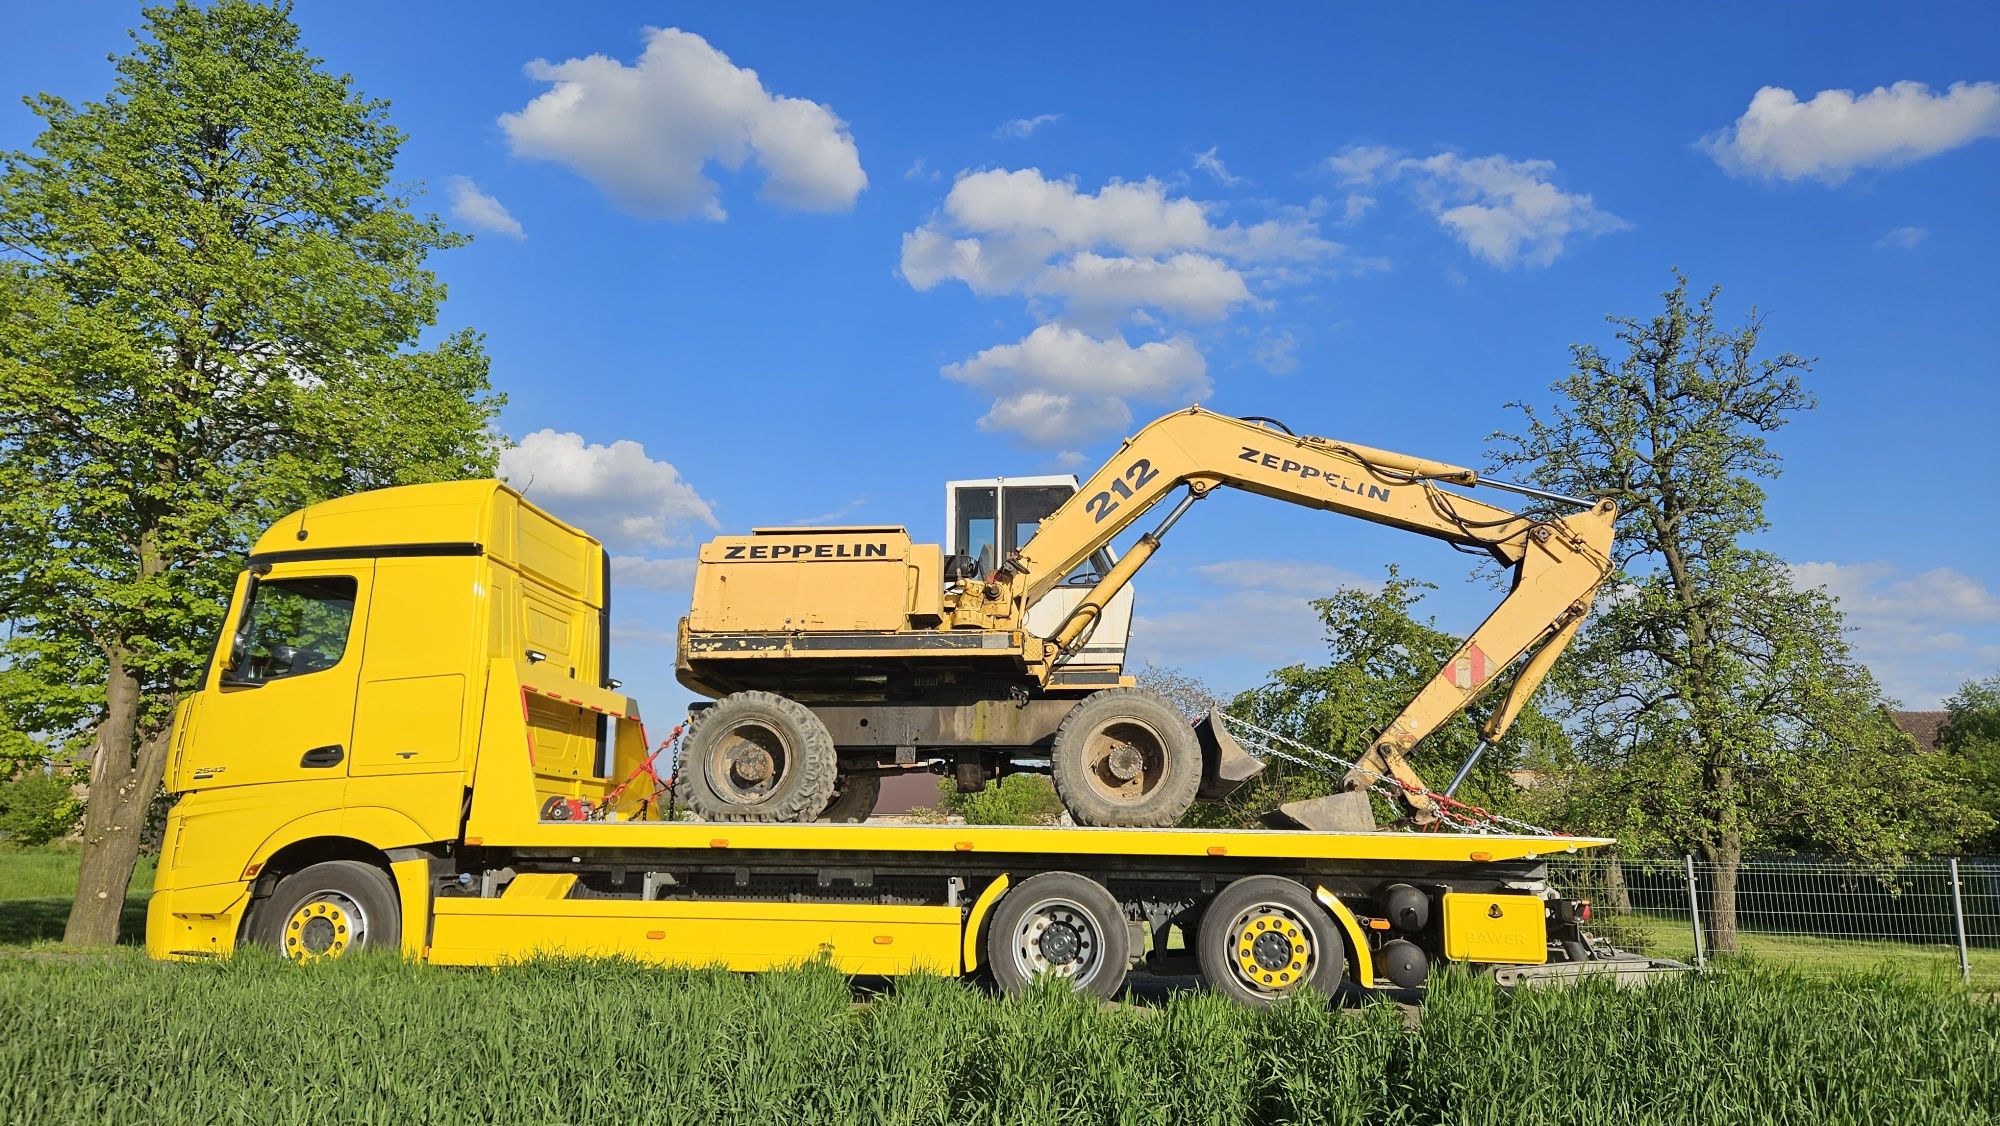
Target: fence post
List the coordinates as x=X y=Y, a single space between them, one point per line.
x=1958 y=916
x=1694 y=917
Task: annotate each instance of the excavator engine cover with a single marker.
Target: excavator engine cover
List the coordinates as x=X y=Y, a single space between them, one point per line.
x=1224 y=764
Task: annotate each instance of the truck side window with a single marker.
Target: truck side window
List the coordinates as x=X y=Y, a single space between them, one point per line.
x=293 y=627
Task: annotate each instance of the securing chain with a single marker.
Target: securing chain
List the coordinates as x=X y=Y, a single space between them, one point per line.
x=1454 y=815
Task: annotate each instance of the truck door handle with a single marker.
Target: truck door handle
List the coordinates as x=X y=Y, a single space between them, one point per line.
x=323 y=756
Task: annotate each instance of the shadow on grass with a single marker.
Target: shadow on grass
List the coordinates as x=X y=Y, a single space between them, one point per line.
x=23 y=921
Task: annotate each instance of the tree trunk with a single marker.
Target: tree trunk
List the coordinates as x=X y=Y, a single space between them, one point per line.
x=124 y=774
x=1724 y=856
x=1617 y=896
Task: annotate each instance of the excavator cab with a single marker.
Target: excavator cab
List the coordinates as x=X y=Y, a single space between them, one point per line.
x=988 y=519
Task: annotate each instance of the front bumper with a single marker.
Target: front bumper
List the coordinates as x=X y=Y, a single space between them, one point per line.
x=185 y=924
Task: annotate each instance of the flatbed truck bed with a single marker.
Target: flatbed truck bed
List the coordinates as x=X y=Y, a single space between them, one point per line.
x=453 y=776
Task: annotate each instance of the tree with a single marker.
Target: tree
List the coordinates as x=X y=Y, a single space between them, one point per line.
x=1184 y=690
x=1381 y=655
x=210 y=302
x=1717 y=705
x=1970 y=737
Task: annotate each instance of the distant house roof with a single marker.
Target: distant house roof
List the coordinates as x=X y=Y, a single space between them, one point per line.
x=1921 y=726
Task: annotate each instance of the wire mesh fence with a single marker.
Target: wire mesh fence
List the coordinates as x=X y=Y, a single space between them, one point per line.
x=1933 y=917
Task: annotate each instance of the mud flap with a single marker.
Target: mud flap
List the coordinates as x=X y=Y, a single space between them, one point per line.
x=1225 y=765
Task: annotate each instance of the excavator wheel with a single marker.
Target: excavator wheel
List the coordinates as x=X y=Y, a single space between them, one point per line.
x=854 y=797
x=1124 y=757
x=756 y=756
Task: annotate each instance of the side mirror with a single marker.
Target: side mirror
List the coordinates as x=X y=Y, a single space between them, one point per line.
x=239 y=641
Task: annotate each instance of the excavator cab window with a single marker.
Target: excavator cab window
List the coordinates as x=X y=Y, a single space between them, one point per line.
x=976 y=526
x=989 y=519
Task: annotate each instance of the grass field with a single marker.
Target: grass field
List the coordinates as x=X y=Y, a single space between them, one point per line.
x=110 y=1037
x=35 y=890
x=1673 y=938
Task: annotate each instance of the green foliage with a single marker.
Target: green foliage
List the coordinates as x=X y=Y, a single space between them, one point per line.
x=1970 y=739
x=1017 y=799
x=212 y=299
x=1381 y=654
x=213 y=292
x=570 y=1041
x=1717 y=707
x=37 y=807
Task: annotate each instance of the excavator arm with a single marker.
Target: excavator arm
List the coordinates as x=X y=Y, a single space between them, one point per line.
x=1557 y=563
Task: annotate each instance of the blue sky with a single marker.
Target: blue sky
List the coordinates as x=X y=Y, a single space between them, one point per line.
x=920 y=244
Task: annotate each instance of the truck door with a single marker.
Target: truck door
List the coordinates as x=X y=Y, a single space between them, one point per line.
x=279 y=704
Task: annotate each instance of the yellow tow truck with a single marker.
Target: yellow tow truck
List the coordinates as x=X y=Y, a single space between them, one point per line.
x=407 y=738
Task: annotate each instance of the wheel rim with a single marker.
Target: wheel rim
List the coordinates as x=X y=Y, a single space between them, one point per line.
x=1271 y=949
x=325 y=924
x=747 y=763
x=1058 y=936
x=1125 y=761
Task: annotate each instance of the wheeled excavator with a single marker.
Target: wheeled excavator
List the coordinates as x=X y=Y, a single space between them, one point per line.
x=838 y=655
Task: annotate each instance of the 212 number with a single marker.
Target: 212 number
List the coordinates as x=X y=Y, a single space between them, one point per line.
x=1137 y=476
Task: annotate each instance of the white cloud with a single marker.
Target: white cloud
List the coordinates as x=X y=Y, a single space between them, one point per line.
x=1277 y=352
x=1210 y=163
x=1836 y=133
x=614 y=492
x=1356 y=208
x=476 y=209
x=1061 y=385
x=919 y=171
x=1507 y=211
x=1902 y=238
x=1923 y=635
x=1129 y=253
x=1099 y=290
x=1254 y=616
x=652 y=574
x=1022 y=127
x=644 y=133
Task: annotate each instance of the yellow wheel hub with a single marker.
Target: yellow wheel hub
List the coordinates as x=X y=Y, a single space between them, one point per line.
x=1272 y=950
x=318 y=929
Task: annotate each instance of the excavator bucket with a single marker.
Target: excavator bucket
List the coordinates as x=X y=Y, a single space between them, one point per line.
x=1225 y=765
x=1348 y=812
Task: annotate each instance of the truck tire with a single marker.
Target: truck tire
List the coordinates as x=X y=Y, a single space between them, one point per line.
x=756 y=756
x=1265 y=937
x=1062 y=924
x=854 y=797
x=1124 y=757
x=329 y=909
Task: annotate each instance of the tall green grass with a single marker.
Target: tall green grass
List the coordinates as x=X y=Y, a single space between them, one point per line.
x=110 y=1039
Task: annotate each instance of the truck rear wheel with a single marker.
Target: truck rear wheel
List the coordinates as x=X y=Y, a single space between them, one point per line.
x=328 y=910
x=756 y=756
x=854 y=798
x=1062 y=924
x=1124 y=757
x=1263 y=937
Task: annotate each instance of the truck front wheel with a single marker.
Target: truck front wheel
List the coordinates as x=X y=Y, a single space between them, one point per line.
x=757 y=756
x=328 y=910
x=1125 y=757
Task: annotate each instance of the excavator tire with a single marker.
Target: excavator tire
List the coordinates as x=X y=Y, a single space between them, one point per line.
x=854 y=797
x=1125 y=757
x=756 y=756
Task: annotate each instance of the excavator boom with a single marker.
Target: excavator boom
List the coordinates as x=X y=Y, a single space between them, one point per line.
x=1558 y=562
